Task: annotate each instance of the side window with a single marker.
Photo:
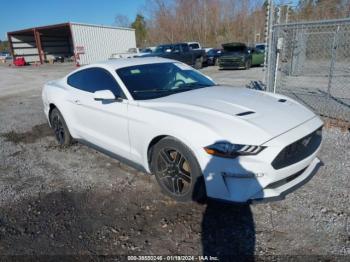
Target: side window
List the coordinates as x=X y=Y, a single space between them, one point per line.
x=95 y=79
x=185 y=48
x=76 y=80
x=176 y=48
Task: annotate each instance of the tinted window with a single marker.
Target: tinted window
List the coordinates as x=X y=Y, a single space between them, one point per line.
x=194 y=46
x=213 y=52
x=146 y=50
x=176 y=48
x=260 y=47
x=185 y=48
x=94 y=79
x=163 y=48
x=232 y=48
x=162 y=79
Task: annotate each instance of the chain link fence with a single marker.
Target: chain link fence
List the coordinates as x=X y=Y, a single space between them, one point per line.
x=310 y=62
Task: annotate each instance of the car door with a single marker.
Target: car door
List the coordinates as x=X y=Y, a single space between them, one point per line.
x=176 y=53
x=102 y=123
x=257 y=57
x=187 y=54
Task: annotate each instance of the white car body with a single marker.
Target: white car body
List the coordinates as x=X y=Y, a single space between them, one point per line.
x=197 y=118
x=129 y=54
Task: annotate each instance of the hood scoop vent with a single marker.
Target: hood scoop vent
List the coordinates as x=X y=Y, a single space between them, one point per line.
x=245 y=113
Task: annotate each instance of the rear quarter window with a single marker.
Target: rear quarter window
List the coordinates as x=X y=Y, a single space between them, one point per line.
x=94 y=79
x=194 y=46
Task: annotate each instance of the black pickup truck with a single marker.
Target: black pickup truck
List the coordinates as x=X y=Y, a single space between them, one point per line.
x=181 y=52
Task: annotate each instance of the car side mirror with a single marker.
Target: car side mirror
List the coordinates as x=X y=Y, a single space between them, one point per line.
x=103 y=95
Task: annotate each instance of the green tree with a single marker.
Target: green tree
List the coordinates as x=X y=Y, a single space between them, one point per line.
x=4 y=46
x=140 y=30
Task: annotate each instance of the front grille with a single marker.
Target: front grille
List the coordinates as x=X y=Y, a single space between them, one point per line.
x=231 y=61
x=299 y=150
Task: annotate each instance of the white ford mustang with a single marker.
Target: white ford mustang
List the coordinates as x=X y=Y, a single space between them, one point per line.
x=198 y=138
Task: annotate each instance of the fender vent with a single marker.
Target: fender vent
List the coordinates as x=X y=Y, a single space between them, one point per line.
x=245 y=113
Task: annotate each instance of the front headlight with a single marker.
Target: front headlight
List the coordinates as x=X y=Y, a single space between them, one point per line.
x=228 y=150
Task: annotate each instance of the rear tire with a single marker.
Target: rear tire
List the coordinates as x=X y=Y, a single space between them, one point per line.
x=177 y=171
x=60 y=128
x=198 y=63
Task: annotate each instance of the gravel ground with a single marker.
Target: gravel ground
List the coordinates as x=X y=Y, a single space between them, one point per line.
x=77 y=201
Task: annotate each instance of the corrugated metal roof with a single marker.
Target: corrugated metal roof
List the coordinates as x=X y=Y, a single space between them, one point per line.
x=104 y=26
x=39 y=27
x=67 y=24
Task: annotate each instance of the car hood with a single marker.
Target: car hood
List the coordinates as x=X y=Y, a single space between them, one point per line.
x=235 y=114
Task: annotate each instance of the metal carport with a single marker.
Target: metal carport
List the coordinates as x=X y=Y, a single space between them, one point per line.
x=40 y=44
x=86 y=43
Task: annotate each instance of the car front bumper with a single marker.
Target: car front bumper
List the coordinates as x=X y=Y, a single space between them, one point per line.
x=253 y=178
x=231 y=62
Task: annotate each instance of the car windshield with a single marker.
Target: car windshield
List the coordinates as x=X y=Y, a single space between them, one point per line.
x=152 y=81
x=260 y=47
x=214 y=51
x=235 y=49
x=211 y=52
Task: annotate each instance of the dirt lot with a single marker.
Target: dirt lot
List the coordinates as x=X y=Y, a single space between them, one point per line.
x=76 y=201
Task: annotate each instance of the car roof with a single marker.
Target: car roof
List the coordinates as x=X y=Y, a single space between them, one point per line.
x=117 y=63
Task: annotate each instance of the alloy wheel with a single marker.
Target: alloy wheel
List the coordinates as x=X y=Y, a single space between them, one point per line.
x=174 y=172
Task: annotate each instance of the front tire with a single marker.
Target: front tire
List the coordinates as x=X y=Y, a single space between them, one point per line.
x=177 y=171
x=60 y=128
x=248 y=64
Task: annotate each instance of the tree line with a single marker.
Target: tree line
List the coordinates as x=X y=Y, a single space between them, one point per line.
x=213 y=22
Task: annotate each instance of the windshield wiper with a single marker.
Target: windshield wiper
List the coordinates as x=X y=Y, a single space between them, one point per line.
x=192 y=86
x=151 y=90
x=184 y=87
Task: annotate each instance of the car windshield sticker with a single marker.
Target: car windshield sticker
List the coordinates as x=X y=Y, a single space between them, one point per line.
x=135 y=71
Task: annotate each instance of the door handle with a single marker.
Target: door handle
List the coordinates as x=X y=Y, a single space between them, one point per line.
x=77 y=102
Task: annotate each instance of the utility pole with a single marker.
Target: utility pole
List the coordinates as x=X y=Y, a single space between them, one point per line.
x=268 y=39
